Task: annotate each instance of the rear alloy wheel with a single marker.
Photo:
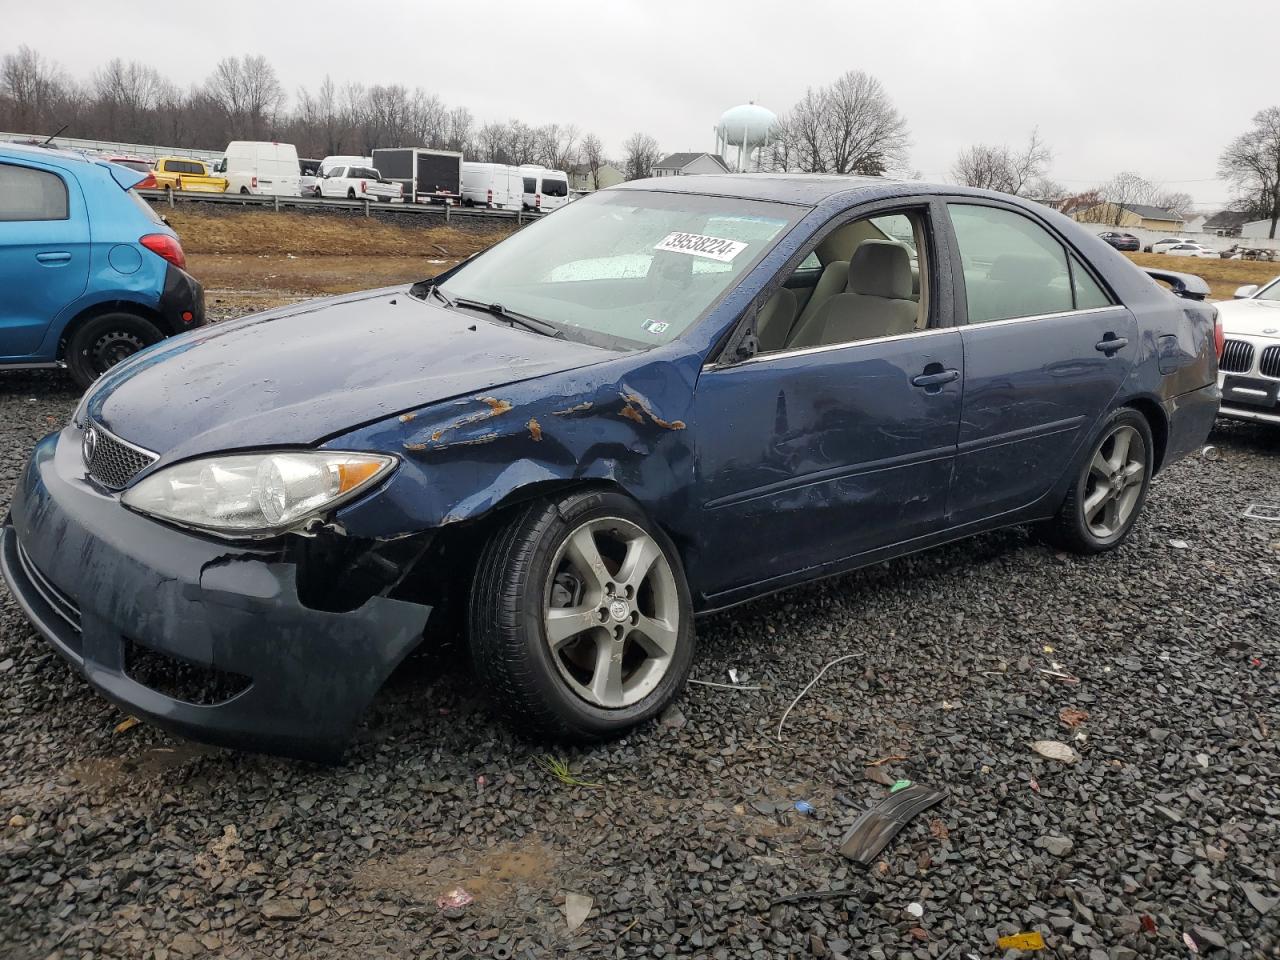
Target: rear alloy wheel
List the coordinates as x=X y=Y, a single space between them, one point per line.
x=580 y=619
x=104 y=341
x=1109 y=492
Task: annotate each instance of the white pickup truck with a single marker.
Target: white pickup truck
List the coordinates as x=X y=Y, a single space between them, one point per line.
x=357 y=183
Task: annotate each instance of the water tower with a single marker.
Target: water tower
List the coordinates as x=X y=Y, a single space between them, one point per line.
x=747 y=127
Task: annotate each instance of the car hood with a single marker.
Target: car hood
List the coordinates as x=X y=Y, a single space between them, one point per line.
x=1250 y=318
x=300 y=374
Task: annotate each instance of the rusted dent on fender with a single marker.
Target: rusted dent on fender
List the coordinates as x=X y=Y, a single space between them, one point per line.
x=469 y=442
x=634 y=400
x=535 y=429
x=577 y=408
x=495 y=408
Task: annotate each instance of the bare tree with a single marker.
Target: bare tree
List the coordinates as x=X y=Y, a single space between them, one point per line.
x=35 y=89
x=557 y=146
x=593 y=158
x=1251 y=162
x=1175 y=201
x=491 y=143
x=1002 y=167
x=461 y=130
x=1115 y=197
x=249 y=93
x=850 y=126
x=642 y=153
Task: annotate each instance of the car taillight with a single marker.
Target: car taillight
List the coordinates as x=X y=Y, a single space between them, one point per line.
x=364 y=186
x=253 y=182
x=537 y=200
x=163 y=245
x=146 y=183
x=489 y=197
x=1219 y=338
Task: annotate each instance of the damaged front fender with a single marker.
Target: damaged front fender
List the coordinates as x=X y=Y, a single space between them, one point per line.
x=623 y=422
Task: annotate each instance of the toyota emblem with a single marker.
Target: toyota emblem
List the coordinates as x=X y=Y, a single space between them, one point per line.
x=89 y=445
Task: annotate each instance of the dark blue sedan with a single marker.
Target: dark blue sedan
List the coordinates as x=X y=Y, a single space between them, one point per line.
x=663 y=400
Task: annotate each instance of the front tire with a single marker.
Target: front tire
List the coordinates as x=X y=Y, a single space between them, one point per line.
x=1110 y=489
x=580 y=620
x=104 y=341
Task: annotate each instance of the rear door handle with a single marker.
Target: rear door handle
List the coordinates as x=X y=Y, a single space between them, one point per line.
x=54 y=256
x=935 y=379
x=1110 y=344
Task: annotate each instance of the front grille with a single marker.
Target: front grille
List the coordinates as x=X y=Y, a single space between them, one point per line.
x=1237 y=356
x=1269 y=365
x=58 y=602
x=110 y=460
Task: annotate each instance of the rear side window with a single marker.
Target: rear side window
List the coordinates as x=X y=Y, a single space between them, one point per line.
x=1088 y=294
x=555 y=188
x=1013 y=267
x=27 y=194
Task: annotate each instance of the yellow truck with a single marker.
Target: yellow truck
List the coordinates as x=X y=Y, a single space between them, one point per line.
x=184 y=173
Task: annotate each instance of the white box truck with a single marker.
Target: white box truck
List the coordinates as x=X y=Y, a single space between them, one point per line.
x=497 y=186
x=426 y=176
x=261 y=167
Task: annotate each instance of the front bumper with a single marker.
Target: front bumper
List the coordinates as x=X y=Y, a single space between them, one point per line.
x=104 y=584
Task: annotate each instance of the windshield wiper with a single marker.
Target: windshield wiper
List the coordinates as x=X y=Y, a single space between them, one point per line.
x=513 y=318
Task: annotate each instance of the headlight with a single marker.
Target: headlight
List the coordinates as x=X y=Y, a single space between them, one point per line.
x=255 y=494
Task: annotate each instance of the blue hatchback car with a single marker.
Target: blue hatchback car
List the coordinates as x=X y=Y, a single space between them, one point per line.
x=664 y=399
x=90 y=275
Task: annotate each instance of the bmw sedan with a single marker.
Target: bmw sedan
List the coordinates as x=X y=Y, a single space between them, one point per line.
x=666 y=399
x=1249 y=373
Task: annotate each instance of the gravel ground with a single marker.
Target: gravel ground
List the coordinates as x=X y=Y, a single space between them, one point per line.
x=135 y=844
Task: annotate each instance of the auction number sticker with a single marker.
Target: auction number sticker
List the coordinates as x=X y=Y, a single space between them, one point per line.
x=697 y=245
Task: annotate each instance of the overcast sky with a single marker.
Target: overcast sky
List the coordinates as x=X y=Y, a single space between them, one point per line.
x=1154 y=87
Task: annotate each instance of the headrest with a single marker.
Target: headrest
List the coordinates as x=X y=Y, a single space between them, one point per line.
x=1025 y=268
x=880 y=268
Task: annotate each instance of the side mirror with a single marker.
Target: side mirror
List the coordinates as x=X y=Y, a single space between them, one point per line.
x=1245 y=292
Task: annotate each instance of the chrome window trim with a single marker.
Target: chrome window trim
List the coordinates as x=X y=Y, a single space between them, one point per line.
x=824 y=348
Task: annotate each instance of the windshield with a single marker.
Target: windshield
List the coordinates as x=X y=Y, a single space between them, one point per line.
x=627 y=268
x=1270 y=292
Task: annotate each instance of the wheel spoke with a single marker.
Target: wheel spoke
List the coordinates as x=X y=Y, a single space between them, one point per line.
x=583 y=553
x=1099 y=467
x=606 y=678
x=1133 y=472
x=1120 y=447
x=1110 y=515
x=658 y=637
x=565 y=623
x=642 y=552
x=1096 y=502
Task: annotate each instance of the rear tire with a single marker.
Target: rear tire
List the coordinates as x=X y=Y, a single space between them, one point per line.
x=593 y=571
x=351 y=194
x=1109 y=490
x=244 y=191
x=101 y=343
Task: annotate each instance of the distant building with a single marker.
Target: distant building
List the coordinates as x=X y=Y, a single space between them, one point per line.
x=1256 y=230
x=1195 y=224
x=581 y=180
x=1141 y=215
x=1226 y=223
x=684 y=164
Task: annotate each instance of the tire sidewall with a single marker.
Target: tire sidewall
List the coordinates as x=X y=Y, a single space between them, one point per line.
x=78 y=362
x=1125 y=416
x=562 y=519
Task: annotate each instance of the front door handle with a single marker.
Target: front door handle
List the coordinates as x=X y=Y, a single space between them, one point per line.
x=934 y=378
x=1110 y=343
x=54 y=256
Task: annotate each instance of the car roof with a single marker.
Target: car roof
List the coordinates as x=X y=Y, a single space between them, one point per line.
x=26 y=151
x=809 y=189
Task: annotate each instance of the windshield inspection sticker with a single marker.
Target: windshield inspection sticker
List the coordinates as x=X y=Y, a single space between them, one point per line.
x=655 y=327
x=696 y=245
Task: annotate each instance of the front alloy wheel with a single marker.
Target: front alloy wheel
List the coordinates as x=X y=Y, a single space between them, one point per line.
x=580 y=623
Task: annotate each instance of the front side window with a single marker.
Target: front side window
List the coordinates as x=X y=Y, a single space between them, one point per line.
x=1013 y=267
x=631 y=269
x=29 y=195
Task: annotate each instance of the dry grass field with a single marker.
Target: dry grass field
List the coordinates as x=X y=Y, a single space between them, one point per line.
x=1223 y=276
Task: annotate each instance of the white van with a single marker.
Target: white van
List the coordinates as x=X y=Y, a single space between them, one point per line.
x=497 y=186
x=544 y=189
x=253 y=166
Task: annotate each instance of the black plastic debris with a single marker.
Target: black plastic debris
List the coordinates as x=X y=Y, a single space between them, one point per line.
x=878 y=825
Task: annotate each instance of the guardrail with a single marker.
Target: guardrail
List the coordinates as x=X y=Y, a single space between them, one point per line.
x=368 y=207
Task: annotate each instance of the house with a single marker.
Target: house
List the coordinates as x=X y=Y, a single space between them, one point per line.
x=684 y=164
x=1141 y=215
x=581 y=180
x=1226 y=223
x=1195 y=224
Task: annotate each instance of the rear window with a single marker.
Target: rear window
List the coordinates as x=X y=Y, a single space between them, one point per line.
x=27 y=195
x=530 y=185
x=139 y=165
x=555 y=188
